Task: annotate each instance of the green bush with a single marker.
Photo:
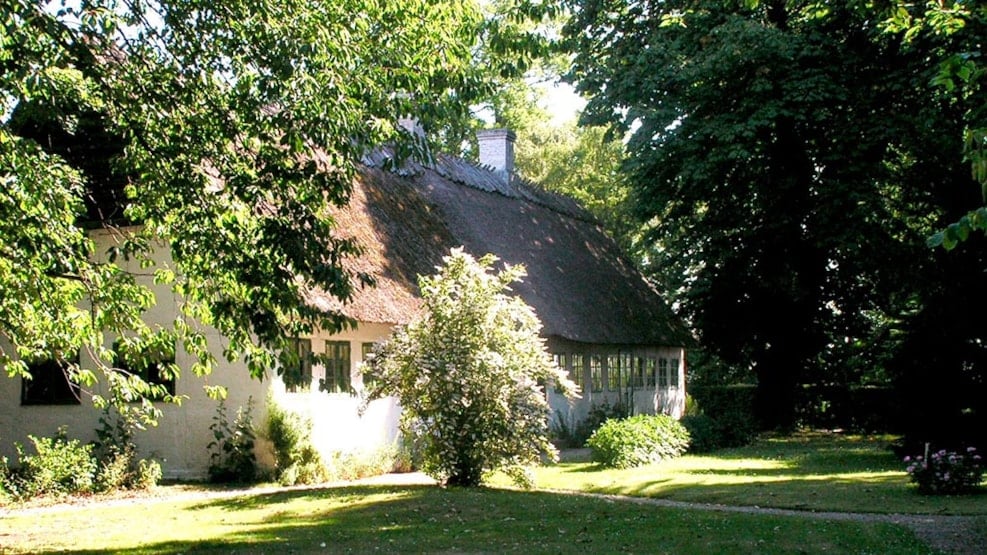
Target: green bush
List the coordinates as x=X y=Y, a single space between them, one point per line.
x=704 y=433
x=296 y=460
x=732 y=408
x=6 y=489
x=233 y=458
x=116 y=455
x=638 y=440
x=569 y=435
x=59 y=466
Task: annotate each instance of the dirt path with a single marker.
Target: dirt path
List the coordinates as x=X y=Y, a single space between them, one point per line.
x=961 y=535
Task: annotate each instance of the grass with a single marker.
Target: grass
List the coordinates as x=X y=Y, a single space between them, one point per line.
x=808 y=471
x=431 y=519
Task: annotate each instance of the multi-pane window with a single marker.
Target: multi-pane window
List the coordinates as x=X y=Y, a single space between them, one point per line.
x=337 y=364
x=577 y=370
x=365 y=350
x=560 y=361
x=613 y=373
x=151 y=365
x=674 y=372
x=639 y=370
x=296 y=366
x=596 y=373
x=662 y=373
x=649 y=371
x=49 y=384
x=626 y=370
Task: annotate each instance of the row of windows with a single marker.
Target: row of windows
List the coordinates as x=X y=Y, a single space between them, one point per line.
x=336 y=359
x=622 y=371
x=50 y=384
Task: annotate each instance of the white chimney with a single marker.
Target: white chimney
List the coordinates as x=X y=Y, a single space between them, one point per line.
x=497 y=151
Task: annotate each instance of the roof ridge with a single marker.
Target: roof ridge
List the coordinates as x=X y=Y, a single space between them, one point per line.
x=483 y=177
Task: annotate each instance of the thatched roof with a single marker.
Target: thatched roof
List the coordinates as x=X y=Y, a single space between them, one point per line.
x=577 y=282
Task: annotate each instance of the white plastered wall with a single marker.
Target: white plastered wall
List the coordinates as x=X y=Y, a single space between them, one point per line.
x=182 y=435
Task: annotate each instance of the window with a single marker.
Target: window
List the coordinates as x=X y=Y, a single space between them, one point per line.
x=337 y=363
x=50 y=384
x=149 y=365
x=365 y=350
x=639 y=370
x=662 y=373
x=577 y=370
x=674 y=372
x=650 y=371
x=626 y=370
x=296 y=366
x=613 y=373
x=560 y=361
x=596 y=373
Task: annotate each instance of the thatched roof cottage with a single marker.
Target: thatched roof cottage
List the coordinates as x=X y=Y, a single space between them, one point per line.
x=605 y=324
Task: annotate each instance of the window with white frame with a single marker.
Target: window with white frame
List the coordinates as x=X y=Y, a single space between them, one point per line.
x=639 y=371
x=296 y=366
x=365 y=350
x=650 y=371
x=662 y=372
x=596 y=372
x=337 y=365
x=674 y=372
x=577 y=370
x=613 y=373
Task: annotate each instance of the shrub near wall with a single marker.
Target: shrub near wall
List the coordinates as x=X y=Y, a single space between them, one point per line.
x=638 y=440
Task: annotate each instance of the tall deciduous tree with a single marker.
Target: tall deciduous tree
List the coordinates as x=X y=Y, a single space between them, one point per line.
x=790 y=159
x=234 y=126
x=470 y=374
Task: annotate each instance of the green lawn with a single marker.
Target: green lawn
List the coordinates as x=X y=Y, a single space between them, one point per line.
x=809 y=471
x=432 y=519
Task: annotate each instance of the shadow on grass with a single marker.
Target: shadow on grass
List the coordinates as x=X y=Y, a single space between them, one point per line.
x=432 y=519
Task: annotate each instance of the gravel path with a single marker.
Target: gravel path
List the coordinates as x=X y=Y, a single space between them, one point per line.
x=961 y=535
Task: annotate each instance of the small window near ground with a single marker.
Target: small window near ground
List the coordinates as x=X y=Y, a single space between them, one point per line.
x=596 y=373
x=337 y=363
x=674 y=372
x=296 y=366
x=49 y=384
x=150 y=365
x=662 y=372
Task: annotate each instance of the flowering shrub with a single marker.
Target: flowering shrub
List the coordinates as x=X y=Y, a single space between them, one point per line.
x=944 y=472
x=468 y=374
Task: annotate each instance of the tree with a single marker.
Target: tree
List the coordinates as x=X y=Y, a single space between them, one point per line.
x=789 y=160
x=232 y=127
x=470 y=374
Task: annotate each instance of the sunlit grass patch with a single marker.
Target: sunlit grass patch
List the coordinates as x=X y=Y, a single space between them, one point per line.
x=809 y=471
x=432 y=519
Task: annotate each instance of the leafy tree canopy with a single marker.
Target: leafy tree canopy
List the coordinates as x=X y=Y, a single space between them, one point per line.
x=470 y=374
x=227 y=128
x=789 y=160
